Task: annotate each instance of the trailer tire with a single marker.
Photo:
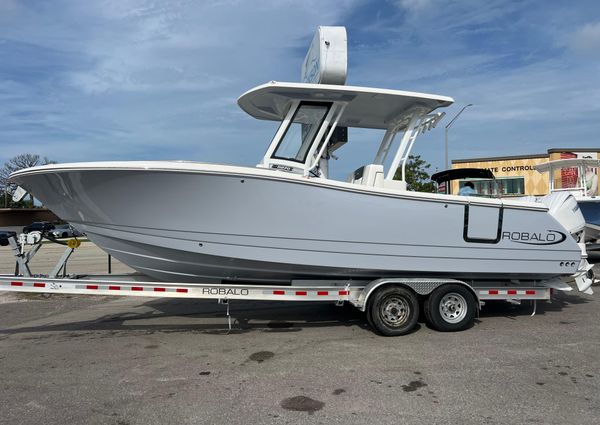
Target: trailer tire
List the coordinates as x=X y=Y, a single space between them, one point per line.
x=426 y=311
x=450 y=308
x=393 y=311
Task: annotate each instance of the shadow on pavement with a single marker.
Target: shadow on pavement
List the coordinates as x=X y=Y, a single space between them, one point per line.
x=559 y=302
x=246 y=317
x=263 y=316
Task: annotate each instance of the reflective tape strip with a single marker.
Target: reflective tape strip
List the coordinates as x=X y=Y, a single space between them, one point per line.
x=305 y=293
x=131 y=288
x=35 y=284
x=66 y=286
x=508 y=292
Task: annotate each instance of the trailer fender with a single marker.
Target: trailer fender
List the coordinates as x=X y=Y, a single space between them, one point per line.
x=418 y=285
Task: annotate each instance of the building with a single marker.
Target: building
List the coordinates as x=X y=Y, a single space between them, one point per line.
x=15 y=218
x=517 y=176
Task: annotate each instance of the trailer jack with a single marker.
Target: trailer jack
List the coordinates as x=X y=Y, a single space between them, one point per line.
x=226 y=302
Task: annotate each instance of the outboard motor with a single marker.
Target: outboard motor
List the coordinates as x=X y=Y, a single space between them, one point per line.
x=564 y=208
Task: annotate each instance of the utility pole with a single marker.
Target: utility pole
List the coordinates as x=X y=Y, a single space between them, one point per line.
x=446 y=132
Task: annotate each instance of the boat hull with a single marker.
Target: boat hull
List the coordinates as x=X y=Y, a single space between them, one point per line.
x=208 y=225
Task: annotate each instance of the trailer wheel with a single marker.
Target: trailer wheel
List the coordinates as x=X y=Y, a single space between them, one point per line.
x=450 y=308
x=393 y=311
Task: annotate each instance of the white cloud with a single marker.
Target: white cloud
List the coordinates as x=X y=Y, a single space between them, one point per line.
x=147 y=79
x=135 y=79
x=415 y=6
x=587 y=39
x=8 y=7
x=152 y=46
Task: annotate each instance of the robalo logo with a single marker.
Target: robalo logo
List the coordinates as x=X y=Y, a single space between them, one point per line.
x=551 y=237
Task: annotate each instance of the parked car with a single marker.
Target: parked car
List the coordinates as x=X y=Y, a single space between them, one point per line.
x=65 y=231
x=4 y=235
x=40 y=226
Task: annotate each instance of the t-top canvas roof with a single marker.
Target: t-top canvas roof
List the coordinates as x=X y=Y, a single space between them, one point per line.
x=367 y=107
x=462 y=173
x=568 y=163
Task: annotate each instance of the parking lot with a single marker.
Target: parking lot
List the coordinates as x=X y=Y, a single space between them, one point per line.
x=111 y=360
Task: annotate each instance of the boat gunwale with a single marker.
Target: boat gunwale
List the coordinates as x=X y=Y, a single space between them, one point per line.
x=264 y=173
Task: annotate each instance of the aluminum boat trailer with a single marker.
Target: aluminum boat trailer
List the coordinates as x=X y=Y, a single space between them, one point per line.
x=391 y=305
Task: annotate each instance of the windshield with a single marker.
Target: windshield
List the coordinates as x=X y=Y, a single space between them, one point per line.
x=296 y=142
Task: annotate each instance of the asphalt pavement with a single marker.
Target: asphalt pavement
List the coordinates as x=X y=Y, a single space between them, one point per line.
x=111 y=360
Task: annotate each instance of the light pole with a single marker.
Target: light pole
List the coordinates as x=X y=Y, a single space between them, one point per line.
x=446 y=131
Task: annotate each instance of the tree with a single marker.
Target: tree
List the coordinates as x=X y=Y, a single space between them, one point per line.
x=17 y=163
x=417 y=177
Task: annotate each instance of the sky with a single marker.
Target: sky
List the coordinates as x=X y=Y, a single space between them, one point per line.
x=154 y=80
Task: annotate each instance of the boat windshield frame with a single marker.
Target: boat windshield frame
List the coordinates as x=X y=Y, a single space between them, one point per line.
x=305 y=144
x=311 y=158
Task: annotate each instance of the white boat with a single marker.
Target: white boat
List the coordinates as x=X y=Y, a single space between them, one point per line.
x=285 y=219
x=583 y=185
